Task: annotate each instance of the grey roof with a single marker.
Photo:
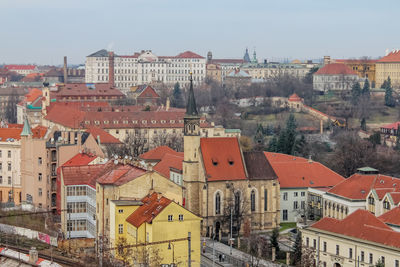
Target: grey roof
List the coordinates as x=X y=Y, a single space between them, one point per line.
x=26 y=131
x=100 y=53
x=191 y=108
x=127 y=202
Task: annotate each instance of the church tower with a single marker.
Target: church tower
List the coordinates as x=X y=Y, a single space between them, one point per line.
x=191 y=145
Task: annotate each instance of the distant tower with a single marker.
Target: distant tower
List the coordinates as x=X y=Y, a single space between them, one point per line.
x=246 y=57
x=191 y=146
x=209 y=57
x=254 y=60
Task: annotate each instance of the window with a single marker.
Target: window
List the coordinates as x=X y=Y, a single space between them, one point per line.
x=314 y=243
x=265 y=199
x=120 y=211
x=120 y=228
x=40 y=192
x=1 y=154
x=253 y=200
x=218 y=203
x=303 y=194
x=295 y=205
x=383 y=260
x=170 y=218
x=307 y=242
x=9 y=180
x=181 y=217
x=362 y=256
x=337 y=249
x=237 y=203
x=284 y=215
x=40 y=161
x=324 y=246
x=303 y=205
x=40 y=177
x=396 y=263
x=9 y=153
x=285 y=195
x=1 y=166
x=295 y=194
x=371 y=258
x=350 y=253
x=9 y=166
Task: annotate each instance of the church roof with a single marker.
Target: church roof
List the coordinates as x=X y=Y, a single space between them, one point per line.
x=191 y=108
x=26 y=131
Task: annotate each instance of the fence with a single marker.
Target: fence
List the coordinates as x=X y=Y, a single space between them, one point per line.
x=32 y=234
x=227 y=258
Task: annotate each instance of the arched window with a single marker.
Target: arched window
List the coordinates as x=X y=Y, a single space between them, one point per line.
x=265 y=199
x=218 y=203
x=253 y=200
x=237 y=203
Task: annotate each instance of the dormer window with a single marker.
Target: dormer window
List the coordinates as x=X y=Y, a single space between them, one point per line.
x=97 y=122
x=134 y=122
x=153 y=121
x=214 y=161
x=87 y=122
x=125 y=122
x=172 y=121
x=230 y=161
x=115 y=122
x=105 y=122
x=144 y=122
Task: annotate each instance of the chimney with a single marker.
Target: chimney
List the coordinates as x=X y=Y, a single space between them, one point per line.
x=65 y=70
x=33 y=255
x=327 y=60
x=111 y=68
x=167 y=104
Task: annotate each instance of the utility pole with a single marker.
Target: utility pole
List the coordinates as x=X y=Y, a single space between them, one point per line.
x=213 y=240
x=189 y=250
x=231 y=239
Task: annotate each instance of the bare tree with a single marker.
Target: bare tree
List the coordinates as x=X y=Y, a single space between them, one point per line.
x=134 y=145
x=147 y=256
x=174 y=140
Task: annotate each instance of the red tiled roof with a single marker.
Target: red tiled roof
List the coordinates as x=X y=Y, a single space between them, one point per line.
x=169 y=161
x=33 y=95
x=381 y=192
x=356 y=61
x=121 y=174
x=15 y=125
x=363 y=225
x=295 y=172
x=158 y=153
x=391 y=217
x=294 y=98
x=105 y=138
x=393 y=56
x=84 y=175
x=20 y=67
x=358 y=185
x=80 y=159
x=227 y=61
x=188 y=54
x=335 y=69
x=152 y=206
x=222 y=158
x=396 y=197
x=68 y=116
x=6 y=133
x=39 y=131
x=86 y=90
x=394 y=125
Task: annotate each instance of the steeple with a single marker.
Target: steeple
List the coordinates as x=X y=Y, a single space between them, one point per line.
x=254 y=57
x=246 y=57
x=191 y=109
x=26 y=131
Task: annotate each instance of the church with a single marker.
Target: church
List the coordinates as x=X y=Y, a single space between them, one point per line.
x=223 y=184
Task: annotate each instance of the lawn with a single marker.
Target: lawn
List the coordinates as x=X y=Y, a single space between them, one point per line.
x=288 y=225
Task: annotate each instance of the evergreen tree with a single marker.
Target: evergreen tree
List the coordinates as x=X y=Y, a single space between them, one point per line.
x=299 y=146
x=363 y=125
x=366 y=89
x=355 y=93
x=296 y=255
x=177 y=97
x=273 y=145
x=389 y=100
x=274 y=238
x=379 y=263
x=290 y=135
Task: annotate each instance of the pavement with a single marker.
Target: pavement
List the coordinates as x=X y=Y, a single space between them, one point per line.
x=238 y=258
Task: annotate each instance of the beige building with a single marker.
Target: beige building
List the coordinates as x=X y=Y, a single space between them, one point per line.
x=219 y=179
x=359 y=240
x=265 y=71
x=389 y=66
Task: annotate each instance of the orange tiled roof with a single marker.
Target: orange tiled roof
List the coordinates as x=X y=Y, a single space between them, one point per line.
x=335 y=69
x=159 y=152
x=188 y=54
x=39 y=131
x=33 y=95
x=169 y=161
x=363 y=225
x=391 y=217
x=121 y=174
x=394 y=125
x=80 y=159
x=222 y=158
x=299 y=172
x=152 y=206
x=393 y=56
x=6 y=133
x=20 y=67
x=396 y=197
x=358 y=185
x=294 y=98
x=105 y=138
x=84 y=174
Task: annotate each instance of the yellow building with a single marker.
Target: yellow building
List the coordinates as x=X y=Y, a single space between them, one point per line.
x=160 y=227
x=389 y=66
x=127 y=182
x=365 y=68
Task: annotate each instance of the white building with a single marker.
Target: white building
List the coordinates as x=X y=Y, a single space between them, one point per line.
x=144 y=68
x=335 y=77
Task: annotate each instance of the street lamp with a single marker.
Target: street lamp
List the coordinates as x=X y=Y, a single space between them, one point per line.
x=173 y=251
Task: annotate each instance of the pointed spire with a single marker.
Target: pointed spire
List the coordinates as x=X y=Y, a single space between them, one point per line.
x=246 y=57
x=191 y=108
x=26 y=131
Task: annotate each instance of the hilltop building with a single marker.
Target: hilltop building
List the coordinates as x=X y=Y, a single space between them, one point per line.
x=334 y=77
x=389 y=66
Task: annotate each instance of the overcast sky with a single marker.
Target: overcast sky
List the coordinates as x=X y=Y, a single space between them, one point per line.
x=43 y=31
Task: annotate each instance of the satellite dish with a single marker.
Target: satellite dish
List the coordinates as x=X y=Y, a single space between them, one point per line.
x=115 y=162
x=116 y=156
x=130 y=157
x=126 y=157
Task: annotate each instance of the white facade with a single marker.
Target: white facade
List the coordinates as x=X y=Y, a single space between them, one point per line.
x=339 y=208
x=324 y=83
x=10 y=171
x=144 y=68
x=80 y=217
x=293 y=204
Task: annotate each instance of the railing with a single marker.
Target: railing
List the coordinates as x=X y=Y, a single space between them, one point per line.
x=227 y=259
